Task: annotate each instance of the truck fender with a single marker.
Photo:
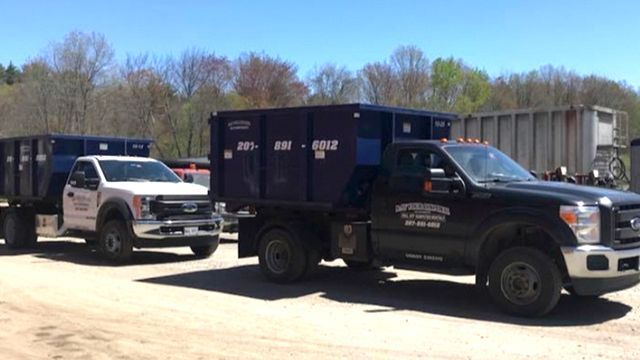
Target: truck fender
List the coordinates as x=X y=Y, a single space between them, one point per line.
x=555 y=228
x=108 y=208
x=248 y=245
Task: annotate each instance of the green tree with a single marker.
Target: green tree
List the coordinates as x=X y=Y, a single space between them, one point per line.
x=11 y=74
x=447 y=78
x=475 y=92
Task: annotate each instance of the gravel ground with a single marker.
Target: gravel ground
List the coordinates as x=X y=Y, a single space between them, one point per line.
x=61 y=301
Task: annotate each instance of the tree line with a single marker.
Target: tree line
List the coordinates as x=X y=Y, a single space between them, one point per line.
x=76 y=86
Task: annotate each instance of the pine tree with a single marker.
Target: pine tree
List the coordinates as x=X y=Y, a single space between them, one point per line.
x=11 y=74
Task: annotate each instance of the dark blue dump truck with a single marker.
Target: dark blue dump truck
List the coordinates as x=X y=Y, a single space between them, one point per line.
x=378 y=186
x=103 y=189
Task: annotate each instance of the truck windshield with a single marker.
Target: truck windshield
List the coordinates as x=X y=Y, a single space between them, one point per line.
x=486 y=164
x=143 y=171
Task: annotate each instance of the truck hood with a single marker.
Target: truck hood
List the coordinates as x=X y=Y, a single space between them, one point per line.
x=159 y=188
x=571 y=193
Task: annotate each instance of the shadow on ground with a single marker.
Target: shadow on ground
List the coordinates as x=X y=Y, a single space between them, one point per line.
x=83 y=254
x=380 y=289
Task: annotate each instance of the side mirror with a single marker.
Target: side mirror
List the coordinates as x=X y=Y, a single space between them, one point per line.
x=77 y=179
x=188 y=178
x=436 y=182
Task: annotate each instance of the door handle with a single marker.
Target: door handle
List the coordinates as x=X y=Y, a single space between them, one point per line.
x=70 y=194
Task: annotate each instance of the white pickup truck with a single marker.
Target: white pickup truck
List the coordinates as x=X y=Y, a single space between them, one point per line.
x=117 y=203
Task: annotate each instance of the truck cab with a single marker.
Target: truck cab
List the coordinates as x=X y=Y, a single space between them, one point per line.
x=115 y=202
x=442 y=204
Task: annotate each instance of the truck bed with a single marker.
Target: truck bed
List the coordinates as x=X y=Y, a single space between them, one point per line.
x=36 y=167
x=321 y=157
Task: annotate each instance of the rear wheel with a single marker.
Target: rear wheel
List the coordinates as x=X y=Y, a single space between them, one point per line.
x=115 y=241
x=205 y=251
x=282 y=257
x=524 y=281
x=19 y=229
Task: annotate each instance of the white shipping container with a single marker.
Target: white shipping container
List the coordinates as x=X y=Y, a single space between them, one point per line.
x=579 y=137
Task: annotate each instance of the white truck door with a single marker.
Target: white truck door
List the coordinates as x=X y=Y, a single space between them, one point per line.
x=80 y=201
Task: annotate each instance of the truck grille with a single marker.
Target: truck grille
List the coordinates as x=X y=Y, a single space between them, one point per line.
x=625 y=236
x=176 y=207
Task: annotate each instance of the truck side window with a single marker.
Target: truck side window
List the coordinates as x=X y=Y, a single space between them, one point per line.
x=415 y=161
x=90 y=173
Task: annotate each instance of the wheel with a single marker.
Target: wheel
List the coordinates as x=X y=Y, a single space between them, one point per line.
x=19 y=229
x=361 y=265
x=205 y=251
x=282 y=257
x=115 y=241
x=524 y=281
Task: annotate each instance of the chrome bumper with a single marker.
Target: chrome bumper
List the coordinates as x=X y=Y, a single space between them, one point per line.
x=172 y=229
x=598 y=269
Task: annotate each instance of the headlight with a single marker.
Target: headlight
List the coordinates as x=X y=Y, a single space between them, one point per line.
x=142 y=207
x=221 y=208
x=584 y=221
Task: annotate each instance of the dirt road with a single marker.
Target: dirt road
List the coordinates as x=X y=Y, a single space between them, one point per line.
x=62 y=302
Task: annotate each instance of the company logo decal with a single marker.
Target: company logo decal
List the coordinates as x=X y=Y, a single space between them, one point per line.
x=422 y=215
x=239 y=125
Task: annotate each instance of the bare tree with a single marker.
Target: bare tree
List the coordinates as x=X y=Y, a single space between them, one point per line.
x=412 y=70
x=38 y=94
x=332 y=84
x=80 y=63
x=264 y=81
x=378 y=84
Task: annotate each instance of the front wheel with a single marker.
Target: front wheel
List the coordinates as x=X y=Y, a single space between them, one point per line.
x=205 y=251
x=115 y=241
x=524 y=281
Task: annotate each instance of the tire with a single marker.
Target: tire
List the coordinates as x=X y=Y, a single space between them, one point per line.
x=282 y=257
x=204 y=251
x=524 y=281
x=115 y=241
x=19 y=229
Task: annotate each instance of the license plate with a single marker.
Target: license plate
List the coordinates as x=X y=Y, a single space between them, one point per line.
x=191 y=230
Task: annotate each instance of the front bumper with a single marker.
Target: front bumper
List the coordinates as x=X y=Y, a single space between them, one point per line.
x=176 y=229
x=598 y=269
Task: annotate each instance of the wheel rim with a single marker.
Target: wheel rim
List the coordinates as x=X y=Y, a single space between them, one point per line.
x=520 y=283
x=113 y=242
x=277 y=256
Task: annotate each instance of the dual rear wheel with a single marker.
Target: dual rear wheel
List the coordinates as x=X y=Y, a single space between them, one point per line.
x=18 y=227
x=283 y=257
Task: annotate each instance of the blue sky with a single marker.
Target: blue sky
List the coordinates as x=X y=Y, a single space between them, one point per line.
x=599 y=37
